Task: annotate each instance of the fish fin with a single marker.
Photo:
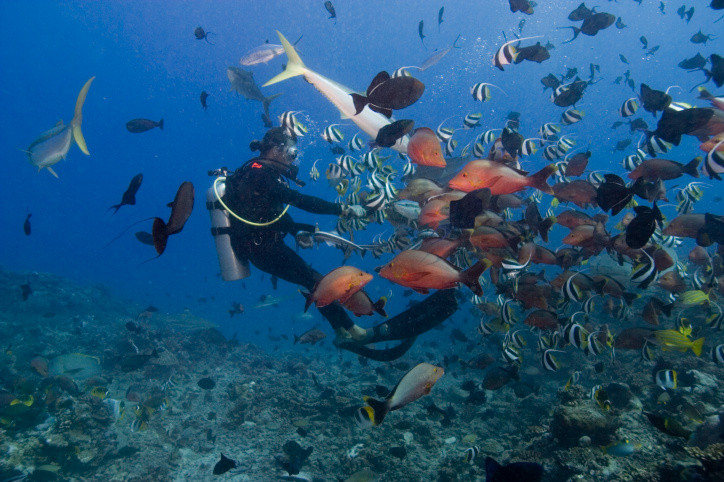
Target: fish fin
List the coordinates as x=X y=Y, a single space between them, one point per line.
x=160 y=235
x=378 y=410
x=576 y=31
x=630 y=297
x=360 y=101
x=267 y=101
x=294 y=67
x=545 y=226
x=379 y=79
x=379 y=306
x=666 y=309
x=697 y=345
x=309 y=299
x=78 y=117
x=50 y=170
x=470 y=276
x=116 y=207
x=160 y=124
x=538 y=180
x=692 y=167
x=297 y=337
x=381 y=110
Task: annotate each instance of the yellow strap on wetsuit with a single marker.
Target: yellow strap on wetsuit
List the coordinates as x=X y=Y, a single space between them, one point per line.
x=218 y=198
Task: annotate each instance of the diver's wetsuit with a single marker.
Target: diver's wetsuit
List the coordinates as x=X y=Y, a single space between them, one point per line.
x=258 y=192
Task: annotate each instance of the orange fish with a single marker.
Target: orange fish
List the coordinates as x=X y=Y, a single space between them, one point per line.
x=501 y=179
x=338 y=285
x=440 y=246
x=424 y=148
x=423 y=271
x=438 y=209
x=361 y=304
x=485 y=237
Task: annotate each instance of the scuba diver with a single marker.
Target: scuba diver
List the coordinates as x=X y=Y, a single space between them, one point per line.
x=257 y=197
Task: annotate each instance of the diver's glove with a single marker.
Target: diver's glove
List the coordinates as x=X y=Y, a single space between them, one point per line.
x=355 y=211
x=304 y=239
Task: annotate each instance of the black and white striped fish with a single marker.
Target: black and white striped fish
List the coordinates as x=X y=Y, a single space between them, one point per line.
x=629 y=107
x=549 y=362
x=332 y=134
x=644 y=273
x=571 y=116
x=356 y=143
x=472 y=120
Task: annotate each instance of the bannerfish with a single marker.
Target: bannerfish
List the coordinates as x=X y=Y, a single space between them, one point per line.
x=340 y=96
x=414 y=384
x=129 y=196
x=242 y=81
x=53 y=145
x=137 y=126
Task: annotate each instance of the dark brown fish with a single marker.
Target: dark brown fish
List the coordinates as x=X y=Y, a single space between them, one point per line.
x=201 y=34
x=129 y=197
x=26 y=225
x=653 y=308
x=533 y=53
x=654 y=100
x=592 y=24
x=577 y=164
x=204 y=95
x=389 y=134
x=386 y=94
x=632 y=338
x=524 y=6
x=664 y=169
x=542 y=319
x=497 y=377
x=675 y=123
x=181 y=208
x=685 y=225
x=580 y=192
x=142 y=125
x=580 y=13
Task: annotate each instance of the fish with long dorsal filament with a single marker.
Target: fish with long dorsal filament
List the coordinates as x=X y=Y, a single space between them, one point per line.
x=53 y=145
x=368 y=121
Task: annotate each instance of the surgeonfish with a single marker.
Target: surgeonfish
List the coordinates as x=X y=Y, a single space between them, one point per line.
x=53 y=145
x=413 y=385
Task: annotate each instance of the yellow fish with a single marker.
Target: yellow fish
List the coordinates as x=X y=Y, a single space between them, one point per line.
x=99 y=392
x=693 y=297
x=675 y=340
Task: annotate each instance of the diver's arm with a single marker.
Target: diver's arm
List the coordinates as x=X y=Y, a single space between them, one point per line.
x=308 y=203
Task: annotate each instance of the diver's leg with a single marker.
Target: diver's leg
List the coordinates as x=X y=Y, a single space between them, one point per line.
x=417 y=319
x=280 y=260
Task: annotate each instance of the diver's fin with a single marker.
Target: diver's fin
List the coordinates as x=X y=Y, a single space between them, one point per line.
x=295 y=66
x=384 y=355
x=78 y=117
x=417 y=319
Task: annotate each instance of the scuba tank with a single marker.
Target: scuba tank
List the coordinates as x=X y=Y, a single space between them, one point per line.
x=232 y=268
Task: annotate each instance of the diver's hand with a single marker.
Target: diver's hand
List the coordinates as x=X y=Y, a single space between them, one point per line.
x=304 y=239
x=355 y=211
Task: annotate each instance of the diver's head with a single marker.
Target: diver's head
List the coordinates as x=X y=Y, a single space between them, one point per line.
x=279 y=144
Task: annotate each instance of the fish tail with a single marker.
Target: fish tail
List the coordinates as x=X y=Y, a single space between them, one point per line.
x=692 y=168
x=360 y=101
x=630 y=297
x=377 y=410
x=78 y=117
x=267 y=101
x=296 y=339
x=160 y=124
x=666 y=309
x=308 y=298
x=116 y=207
x=379 y=306
x=697 y=345
x=294 y=67
x=538 y=180
x=545 y=226
x=576 y=31
x=160 y=235
x=470 y=276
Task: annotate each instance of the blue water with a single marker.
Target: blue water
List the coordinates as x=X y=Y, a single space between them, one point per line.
x=147 y=63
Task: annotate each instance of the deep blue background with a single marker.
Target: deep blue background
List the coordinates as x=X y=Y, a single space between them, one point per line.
x=147 y=63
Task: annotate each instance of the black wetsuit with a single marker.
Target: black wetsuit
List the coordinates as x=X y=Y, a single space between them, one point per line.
x=258 y=192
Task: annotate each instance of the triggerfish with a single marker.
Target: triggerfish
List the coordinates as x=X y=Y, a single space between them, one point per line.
x=338 y=285
x=369 y=121
x=53 y=145
x=416 y=383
